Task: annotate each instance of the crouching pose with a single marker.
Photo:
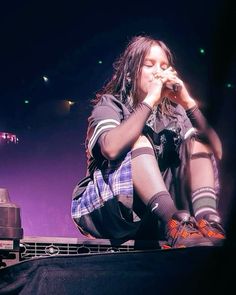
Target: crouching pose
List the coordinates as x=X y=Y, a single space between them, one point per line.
x=152 y=157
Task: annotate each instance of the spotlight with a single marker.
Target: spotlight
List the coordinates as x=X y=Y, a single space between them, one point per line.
x=6 y=137
x=71 y=103
x=45 y=79
x=202 y=51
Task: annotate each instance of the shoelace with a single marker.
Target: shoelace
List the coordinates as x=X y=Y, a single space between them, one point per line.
x=189 y=226
x=217 y=226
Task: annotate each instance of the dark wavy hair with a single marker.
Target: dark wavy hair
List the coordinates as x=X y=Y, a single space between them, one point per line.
x=127 y=69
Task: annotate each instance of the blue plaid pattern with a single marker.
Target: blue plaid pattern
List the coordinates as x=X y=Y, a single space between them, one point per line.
x=113 y=181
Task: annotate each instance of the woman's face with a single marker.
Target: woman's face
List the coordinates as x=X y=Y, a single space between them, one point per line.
x=154 y=62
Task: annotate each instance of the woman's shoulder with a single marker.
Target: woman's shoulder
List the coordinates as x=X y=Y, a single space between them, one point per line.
x=109 y=100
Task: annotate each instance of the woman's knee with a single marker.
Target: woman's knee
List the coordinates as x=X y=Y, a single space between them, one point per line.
x=141 y=142
x=200 y=147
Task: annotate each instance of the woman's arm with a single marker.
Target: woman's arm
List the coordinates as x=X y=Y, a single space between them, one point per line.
x=196 y=117
x=199 y=122
x=117 y=141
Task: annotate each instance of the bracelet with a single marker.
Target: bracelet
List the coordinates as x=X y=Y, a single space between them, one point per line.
x=191 y=110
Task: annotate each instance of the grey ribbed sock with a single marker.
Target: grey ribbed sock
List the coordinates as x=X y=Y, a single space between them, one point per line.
x=204 y=201
x=162 y=205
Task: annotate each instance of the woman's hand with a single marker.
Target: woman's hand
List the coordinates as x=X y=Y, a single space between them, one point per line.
x=181 y=96
x=159 y=87
x=156 y=85
x=154 y=91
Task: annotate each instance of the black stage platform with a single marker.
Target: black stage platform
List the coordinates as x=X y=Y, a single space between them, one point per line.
x=198 y=270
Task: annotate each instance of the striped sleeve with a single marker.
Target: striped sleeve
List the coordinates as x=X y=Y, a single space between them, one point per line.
x=102 y=126
x=106 y=115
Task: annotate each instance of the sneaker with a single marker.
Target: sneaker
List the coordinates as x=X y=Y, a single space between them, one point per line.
x=182 y=232
x=211 y=228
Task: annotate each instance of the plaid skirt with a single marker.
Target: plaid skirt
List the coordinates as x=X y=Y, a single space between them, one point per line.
x=103 y=207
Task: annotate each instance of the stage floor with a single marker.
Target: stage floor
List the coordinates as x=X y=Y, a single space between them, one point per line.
x=197 y=270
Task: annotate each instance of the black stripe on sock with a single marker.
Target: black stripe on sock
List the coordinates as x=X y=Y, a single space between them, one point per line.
x=141 y=151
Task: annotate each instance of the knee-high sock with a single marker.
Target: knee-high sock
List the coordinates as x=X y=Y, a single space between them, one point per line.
x=204 y=199
x=149 y=184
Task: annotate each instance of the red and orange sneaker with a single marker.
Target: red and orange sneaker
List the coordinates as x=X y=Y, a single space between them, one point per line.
x=182 y=232
x=211 y=228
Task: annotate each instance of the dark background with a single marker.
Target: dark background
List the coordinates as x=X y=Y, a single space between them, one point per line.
x=73 y=44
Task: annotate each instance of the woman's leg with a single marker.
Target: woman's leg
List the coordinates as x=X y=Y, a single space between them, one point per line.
x=202 y=181
x=148 y=181
x=151 y=189
x=204 y=198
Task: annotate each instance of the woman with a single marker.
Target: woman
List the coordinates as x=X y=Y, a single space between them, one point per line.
x=151 y=156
